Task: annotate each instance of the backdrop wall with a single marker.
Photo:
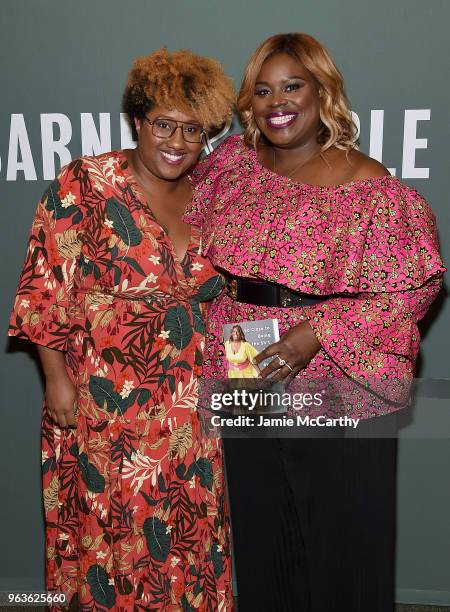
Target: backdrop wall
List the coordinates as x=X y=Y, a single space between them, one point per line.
x=64 y=66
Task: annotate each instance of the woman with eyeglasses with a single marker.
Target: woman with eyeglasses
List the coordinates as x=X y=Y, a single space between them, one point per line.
x=111 y=293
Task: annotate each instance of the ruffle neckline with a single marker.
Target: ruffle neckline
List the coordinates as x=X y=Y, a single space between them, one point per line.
x=367 y=235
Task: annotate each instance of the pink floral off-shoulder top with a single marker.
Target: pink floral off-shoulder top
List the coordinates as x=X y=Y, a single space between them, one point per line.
x=371 y=245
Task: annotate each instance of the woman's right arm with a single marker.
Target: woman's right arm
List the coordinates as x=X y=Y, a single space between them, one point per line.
x=41 y=312
x=60 y=392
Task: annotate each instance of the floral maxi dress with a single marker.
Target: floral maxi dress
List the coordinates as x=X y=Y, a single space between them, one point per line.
x=134 y=496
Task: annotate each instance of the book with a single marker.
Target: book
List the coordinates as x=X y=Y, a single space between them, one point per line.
x=243 y=341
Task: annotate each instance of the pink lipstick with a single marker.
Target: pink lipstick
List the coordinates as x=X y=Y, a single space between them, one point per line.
x=280 y=120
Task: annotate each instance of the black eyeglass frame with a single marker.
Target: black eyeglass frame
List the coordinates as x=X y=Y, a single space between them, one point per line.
x=179 y=124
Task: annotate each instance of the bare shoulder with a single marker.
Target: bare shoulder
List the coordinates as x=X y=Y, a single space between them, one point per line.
x=364 y=167
x=339 y=166
x=343 y=166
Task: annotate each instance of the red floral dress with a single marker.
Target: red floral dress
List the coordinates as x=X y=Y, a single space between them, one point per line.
x=134 y=496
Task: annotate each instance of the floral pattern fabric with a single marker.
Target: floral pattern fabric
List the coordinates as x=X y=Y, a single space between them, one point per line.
x=370 y=245
x=134 y=496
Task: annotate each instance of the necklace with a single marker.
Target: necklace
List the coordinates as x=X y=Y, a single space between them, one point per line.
x=297 y=166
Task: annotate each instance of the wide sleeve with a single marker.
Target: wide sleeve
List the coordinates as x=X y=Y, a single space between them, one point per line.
x=374 y=337
x=41 y=311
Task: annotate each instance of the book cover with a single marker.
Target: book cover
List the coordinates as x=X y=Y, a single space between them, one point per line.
x=243 y=341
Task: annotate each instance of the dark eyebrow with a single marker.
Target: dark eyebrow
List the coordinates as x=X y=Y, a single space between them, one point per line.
x=290 y=78
x=171 y=119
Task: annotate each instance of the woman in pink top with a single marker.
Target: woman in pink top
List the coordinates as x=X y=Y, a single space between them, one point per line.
x=312 y=232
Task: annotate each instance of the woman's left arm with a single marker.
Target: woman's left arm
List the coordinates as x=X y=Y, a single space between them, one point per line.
x=396 y=265
x=371 y=337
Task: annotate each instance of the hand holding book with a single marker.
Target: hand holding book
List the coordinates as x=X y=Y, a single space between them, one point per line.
x=291 y=353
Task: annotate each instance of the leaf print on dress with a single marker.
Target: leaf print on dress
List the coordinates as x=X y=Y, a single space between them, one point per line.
x=177 y=321
x=123 y=223
x=103 y=592
x=140 y=469
x=201 y=468
x=210 y=288
x=106 y=397
x=69 y=245
x=199 y=322
x=91 y=476
x=61 y=208
x=157 y=534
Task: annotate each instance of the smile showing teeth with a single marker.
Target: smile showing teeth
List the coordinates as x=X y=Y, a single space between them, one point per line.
x=281 y=120
x=172 y=158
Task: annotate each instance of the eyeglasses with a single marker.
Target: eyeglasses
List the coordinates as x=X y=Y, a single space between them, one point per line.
x=165 y=128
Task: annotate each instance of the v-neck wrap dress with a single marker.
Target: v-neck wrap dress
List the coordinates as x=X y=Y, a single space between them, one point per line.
x=134 y=496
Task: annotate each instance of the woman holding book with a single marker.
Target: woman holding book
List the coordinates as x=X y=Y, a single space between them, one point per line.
x=346 y=257
x=111 y=293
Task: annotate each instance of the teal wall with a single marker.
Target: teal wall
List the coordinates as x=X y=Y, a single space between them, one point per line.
x=66 y=59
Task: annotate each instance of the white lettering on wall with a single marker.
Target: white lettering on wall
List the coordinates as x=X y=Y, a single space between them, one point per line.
x=376 y=137
x=52 y=146
x=376 y=134
x=91 y=142
x=411 y=143
x=126 y=138
x=19 y=146
x=56 y=135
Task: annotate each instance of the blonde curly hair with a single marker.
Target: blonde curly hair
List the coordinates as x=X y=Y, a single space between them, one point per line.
x=180 y=80
x=337 y=128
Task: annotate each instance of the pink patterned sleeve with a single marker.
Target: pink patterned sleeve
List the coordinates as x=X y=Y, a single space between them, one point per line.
x=374 y=337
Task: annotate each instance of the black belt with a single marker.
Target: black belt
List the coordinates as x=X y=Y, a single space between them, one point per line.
x=264 y=293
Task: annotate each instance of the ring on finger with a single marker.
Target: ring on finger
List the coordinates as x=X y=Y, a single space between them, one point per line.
x=283 y=362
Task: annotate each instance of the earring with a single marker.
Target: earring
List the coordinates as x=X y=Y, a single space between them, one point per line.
x=208 y=146
x=210 y=141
